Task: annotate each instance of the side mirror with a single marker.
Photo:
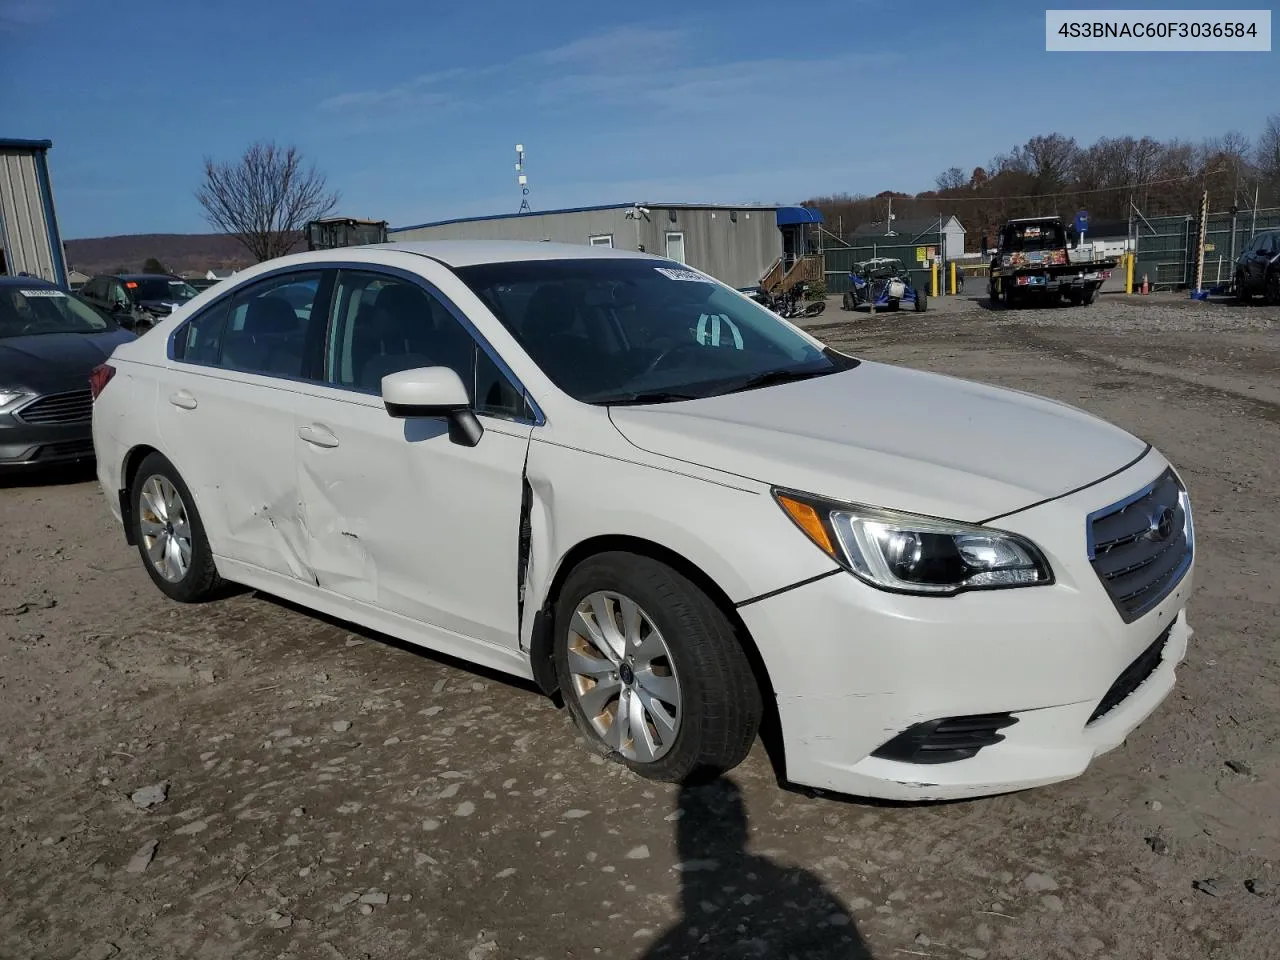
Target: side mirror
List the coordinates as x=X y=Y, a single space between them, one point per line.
x=433 y=392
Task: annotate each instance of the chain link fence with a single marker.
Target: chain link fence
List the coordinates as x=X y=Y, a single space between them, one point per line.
x=1165 y=247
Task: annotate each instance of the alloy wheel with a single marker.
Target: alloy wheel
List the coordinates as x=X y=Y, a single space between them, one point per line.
x=165 y=528
x=623 y=676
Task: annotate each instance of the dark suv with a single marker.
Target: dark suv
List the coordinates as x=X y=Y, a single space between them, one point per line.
x=1258 y=268
x=138 y=300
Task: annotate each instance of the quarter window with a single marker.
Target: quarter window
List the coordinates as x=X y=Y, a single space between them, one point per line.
x=384 y=324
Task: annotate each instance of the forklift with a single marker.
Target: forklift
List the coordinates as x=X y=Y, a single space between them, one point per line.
x=330 y=232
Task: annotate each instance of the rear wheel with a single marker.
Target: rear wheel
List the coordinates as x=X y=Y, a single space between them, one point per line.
x=1243 y=293
x=848 y=301
x=922 y=301
x=169 y=534
x=651 y=670
x=1272 y=289
x=1088 y=296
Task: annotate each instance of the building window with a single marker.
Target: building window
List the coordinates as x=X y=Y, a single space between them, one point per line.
x=602 y=240
x=675 y=246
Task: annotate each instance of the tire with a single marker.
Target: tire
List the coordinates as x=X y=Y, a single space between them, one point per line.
x=848 y=302
x=1243 y=293
x=710 y=725
x=815 y=308
x=922 y=301
x=158 y=483
x=1271 y=288
x=1088 y=296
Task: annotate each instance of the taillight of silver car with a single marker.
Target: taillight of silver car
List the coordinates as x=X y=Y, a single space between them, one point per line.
x=99 y=377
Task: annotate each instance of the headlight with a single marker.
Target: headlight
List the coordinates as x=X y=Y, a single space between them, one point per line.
x=10 y=395
x=906 y=553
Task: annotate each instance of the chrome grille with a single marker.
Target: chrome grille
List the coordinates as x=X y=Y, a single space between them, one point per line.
x=1141 y=547
x=73 y=407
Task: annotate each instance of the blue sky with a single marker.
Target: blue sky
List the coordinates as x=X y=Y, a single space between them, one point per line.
x=413 y=108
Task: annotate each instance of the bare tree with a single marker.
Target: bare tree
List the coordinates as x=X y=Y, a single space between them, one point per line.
x=953 y=178
x=265 y=198
x=1268 y=154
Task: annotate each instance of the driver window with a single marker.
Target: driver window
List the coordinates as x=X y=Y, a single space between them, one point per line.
x=383 y=324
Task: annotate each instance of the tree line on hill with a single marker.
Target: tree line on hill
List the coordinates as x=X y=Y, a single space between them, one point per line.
x=1054 y=174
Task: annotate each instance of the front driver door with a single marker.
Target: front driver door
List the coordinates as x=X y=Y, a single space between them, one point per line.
x=398 y=515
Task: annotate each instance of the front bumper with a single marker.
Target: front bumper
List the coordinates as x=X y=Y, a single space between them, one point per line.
x=852 y=667
x=24 y=445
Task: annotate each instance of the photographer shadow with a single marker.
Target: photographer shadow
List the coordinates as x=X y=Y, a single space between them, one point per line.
x=736 y=904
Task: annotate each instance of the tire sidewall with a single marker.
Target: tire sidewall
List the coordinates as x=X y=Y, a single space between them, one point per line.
x=190 y=587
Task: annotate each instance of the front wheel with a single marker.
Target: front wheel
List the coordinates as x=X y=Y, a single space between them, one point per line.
x=1243 y=293
x=169 y=533
x=1271 y=291
x=922 y=301
x=651 y=670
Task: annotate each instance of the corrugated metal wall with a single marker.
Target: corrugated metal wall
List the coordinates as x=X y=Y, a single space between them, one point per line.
x=735 y=251
x=574 y=227
x=28 y=241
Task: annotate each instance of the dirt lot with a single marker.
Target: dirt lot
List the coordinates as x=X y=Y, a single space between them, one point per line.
x=329 y=794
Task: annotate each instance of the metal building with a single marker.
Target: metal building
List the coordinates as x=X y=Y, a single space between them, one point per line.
x=29 y=237
x=734 y=244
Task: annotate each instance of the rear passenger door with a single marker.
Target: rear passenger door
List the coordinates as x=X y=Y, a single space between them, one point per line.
x=226 y=415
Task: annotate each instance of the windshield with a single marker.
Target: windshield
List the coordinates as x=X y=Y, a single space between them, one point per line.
x=26 y=311
x=640 y=330
x=1022 y=237
x=160 y=288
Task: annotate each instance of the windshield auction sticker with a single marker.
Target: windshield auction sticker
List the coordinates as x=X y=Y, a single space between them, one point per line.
x=1155 y=31
x=42 y=293
x=682 y=275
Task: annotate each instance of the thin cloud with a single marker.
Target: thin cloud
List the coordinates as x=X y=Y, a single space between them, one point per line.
x=17 y=14
x=416 y=92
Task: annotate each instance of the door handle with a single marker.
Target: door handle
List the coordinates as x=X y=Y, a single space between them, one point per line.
x=317 y=435
x=183 y=399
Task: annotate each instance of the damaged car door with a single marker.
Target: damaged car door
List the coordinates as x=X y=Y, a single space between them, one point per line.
x=399 y=515
x=226 y=417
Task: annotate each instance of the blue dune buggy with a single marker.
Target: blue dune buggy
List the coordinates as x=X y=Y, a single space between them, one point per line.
x=885 y=282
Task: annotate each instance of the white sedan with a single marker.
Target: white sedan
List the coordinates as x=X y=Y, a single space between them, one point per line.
x=610 y=473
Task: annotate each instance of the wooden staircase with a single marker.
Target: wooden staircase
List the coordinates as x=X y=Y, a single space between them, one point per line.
x=778 y=279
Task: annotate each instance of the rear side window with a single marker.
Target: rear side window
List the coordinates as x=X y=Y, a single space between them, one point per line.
x=200 y=339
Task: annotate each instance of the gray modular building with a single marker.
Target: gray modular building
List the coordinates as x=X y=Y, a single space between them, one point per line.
x=29 y=238
x=734 y=244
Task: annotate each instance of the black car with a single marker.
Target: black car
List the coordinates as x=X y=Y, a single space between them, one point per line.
x=138 y=300
x=50 y=342
x=1258 y=268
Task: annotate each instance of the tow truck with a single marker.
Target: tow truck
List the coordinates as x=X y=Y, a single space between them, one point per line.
x=1041 y=258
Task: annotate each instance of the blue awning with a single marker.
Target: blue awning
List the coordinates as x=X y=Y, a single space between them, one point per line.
x=788 y=216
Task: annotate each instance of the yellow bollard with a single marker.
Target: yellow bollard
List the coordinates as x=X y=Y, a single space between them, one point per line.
x=1128 y=273
x=953 y=278
x=933 y=279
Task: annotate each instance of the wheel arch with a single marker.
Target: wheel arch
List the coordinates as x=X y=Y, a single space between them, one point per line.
x=128 y=471
x=542 y=640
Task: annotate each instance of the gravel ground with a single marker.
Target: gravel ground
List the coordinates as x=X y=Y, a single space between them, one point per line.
x=245 y=779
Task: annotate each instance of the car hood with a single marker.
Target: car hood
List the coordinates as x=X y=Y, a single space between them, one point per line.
x=52 y=360
x=893 y=437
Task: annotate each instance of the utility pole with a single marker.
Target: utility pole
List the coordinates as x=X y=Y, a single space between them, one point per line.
x=522 y=180
x=1200 y=236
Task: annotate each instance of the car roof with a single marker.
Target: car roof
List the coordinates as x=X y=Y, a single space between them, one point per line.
x=141 y=276
x=9 y=281
x=466 y=253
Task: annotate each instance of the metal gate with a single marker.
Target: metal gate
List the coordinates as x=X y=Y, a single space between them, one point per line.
x=842 y=253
